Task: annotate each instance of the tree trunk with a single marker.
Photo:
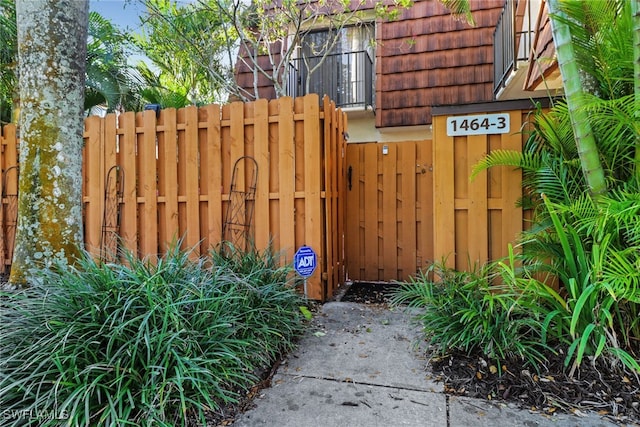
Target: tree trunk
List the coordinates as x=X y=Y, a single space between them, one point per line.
x=571 y=80
x=52 y=41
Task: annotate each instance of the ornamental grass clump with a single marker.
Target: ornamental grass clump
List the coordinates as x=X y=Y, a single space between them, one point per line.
x=140 y=343
x=465 y=311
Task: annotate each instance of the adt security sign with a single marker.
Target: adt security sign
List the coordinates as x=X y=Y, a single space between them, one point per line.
x=305 y=261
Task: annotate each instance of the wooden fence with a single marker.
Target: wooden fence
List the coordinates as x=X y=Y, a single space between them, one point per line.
x=174 y=180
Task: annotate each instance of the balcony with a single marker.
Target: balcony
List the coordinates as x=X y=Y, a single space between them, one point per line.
x=512 y=42
x=347 y=78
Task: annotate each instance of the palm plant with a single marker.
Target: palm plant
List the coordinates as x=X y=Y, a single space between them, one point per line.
x=8 y=62
x=158 y=88
x=110 y=81
x=186 y=44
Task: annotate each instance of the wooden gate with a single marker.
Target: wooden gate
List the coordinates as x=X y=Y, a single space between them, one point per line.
x=389 y=210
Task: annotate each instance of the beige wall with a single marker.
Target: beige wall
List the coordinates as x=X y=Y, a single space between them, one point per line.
x=362 y=129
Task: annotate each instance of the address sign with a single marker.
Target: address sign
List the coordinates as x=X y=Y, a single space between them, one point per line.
x=478 y=125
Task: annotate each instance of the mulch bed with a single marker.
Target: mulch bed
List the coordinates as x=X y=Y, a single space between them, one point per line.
x=369 y=293
x=607 y=390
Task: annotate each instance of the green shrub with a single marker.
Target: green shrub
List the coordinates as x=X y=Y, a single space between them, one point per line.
x=595 y=311
x=138 y=343
x=464 y=311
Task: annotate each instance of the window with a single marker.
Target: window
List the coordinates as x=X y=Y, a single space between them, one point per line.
x=345 y=72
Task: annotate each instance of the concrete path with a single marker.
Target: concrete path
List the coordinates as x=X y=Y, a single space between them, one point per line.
x=359 y=365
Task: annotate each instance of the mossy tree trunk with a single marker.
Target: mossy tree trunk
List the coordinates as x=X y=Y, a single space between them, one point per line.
x=52 y=40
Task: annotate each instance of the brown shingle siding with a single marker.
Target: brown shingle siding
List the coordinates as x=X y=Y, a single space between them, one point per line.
x=438 y=78
x=428 y=58
x=442 y=61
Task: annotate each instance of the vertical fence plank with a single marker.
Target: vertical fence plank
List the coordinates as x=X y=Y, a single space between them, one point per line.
x=342 y=191
x=167 y=178
x=261 y=154
x=110 y=142
x=370 y=195
x=327 y=166
x=353 y=221
x=332 y=235
x=148 y=212
x=274 y=177
x=478 y=223
x=512 y=215
x=128 y=149
x=408 y=205
x=286 y=178
x=443 y=193
x=94 y=183
x=211 y=174
x=236 y=172
x=389 y=213
x=110 y=216
x=192 y=237
x=424 y=205
x=300 y=164
x=9 y=189
x=237 y=142
x=313 y=173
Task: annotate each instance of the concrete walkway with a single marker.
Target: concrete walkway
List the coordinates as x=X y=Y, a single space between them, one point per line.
x=359 y=365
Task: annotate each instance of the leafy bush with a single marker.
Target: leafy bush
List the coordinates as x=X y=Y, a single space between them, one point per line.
x=464 y=311
x=596 y=308
x=502 y=309
x=141 y=344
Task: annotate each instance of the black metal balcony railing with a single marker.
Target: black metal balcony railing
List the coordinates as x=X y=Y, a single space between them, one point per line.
x=347 y=78
x=511 y=44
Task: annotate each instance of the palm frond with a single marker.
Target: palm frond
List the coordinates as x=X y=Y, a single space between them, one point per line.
x=516 y=159
x=460 y=9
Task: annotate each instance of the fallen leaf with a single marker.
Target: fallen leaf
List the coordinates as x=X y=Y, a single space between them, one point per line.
x=479 y=375
x=306 y=312
x=319 y=334
x=493 y=369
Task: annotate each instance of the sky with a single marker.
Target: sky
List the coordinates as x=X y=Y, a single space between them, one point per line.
x=123 y=13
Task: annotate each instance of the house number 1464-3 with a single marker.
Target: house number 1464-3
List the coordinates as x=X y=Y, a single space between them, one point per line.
x=477 y=125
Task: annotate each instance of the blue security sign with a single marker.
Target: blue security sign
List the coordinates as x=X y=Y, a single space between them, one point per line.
x=305 y=261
